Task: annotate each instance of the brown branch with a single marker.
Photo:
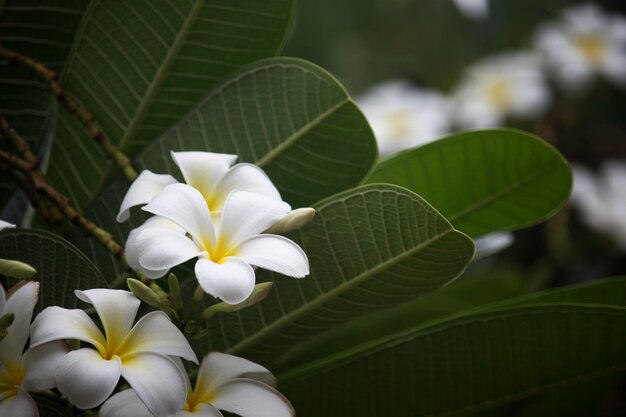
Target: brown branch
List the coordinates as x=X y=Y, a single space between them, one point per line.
x=87 y=118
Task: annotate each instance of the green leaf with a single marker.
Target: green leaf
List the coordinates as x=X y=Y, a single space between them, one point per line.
x=44 y=32
x=140 y=65
x=50 y=408
x=369 y=249
x=484 y=181
x=61 y=267
x=461 y=298
x=465 y=364
x=286 y=115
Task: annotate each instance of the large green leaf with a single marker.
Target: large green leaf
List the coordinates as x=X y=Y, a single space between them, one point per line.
x=286 y=115
x=43 y=31
x=369 y=248
x=464 y=364
x=61 y=267
x=483 y=181
x=461 y=298
x=140 y=65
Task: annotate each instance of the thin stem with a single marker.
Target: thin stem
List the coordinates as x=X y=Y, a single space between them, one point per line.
x=87 y=118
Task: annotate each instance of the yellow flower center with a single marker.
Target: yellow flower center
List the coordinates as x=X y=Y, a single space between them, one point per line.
x=399 y=121
x=196 y=398
x=11 y=377
x=499 y=94
x=592 y=47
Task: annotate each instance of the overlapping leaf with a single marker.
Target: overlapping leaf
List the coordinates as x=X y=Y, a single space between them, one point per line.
x=140 y=65
x=61 y=267
x=483 y=181
x=43 y=31
x=369 y=248
x=286 y=115
x=464 y=364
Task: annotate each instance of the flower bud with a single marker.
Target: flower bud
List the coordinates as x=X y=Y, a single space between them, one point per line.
x=144 y=293
x=5 y=322
x=16 y=269
x=259 y=293
x=294 y=220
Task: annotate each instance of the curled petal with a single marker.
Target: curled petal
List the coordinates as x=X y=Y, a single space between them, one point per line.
x=249 y=398
x=87 y=379
x=21 y=404
x=244 y=177
x=116 y=308
x=276 y=253
x=156 y=333
x=157 y=381
x=232 y=279
x=142 y=191
x=219 y=368
x=185 y=206
x=202 y=170
x=3 y=299
x=56 y=323
x=20 y=304
x=40 y=363
x=124 y=404
x=247 y=214
x=161 y=249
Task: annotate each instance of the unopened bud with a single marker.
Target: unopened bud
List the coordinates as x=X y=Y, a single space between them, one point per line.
x=5 y=322
x=16 y=269
x=144 y=293
x=294 y=220
x=259 y=293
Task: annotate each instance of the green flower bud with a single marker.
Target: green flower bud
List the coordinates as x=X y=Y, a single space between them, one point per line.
x=294 y=220
x=16 y=269
x=259 y=293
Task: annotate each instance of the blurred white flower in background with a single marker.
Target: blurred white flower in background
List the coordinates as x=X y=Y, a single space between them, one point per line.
x=492 y=243
x=5 y=225
x=474 y=9
x=403 y=116
x=508 y=84
x=601 y=199
x=585 y=42
x=224 y=382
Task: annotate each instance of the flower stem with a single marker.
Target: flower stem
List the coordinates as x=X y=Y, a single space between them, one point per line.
x=87 y=118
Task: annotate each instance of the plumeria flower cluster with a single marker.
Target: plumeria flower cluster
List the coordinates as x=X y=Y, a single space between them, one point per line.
x=585 y=42
x=601 y=199
x=218 y=215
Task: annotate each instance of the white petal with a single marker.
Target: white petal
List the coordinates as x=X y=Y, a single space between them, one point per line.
x=56 y=323
x=130 y=249
x=21 y=405
x=3 y=299
x=243 y=177
x=157 y=381
x=21 y=304
x=206 y=410
x=124 y=404
x=247 y=214
x=142 y=191
x=249 y=398
x=116 y=308
x=219 y=368
x=6 y=225
x=492 y=243
x=474 y=9
x=87 y=379
x=276 y=253
x=160 y=249
x=185 y=206
x=40 y=363
x=232 y=279
x=202 y=170
x=156 y=333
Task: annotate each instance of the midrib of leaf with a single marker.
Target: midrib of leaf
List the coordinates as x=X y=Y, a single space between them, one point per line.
x=267 y=158
x=487 y=201
x=161 y=74
x=322 y=299
x=437 y=326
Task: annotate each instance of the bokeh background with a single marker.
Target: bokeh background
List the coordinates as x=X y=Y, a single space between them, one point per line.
x=430 y=43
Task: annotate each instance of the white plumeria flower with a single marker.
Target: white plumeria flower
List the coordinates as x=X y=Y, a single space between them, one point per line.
x=403 y=116
x=509 y=84
x=210 y=173
x=492 y=243
x=139 y=353
x=6 y=225
x=227 y=248
x=224 y=382
x=23 y=372
x=474 y=9
x=585 y=42
x=601 y=199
